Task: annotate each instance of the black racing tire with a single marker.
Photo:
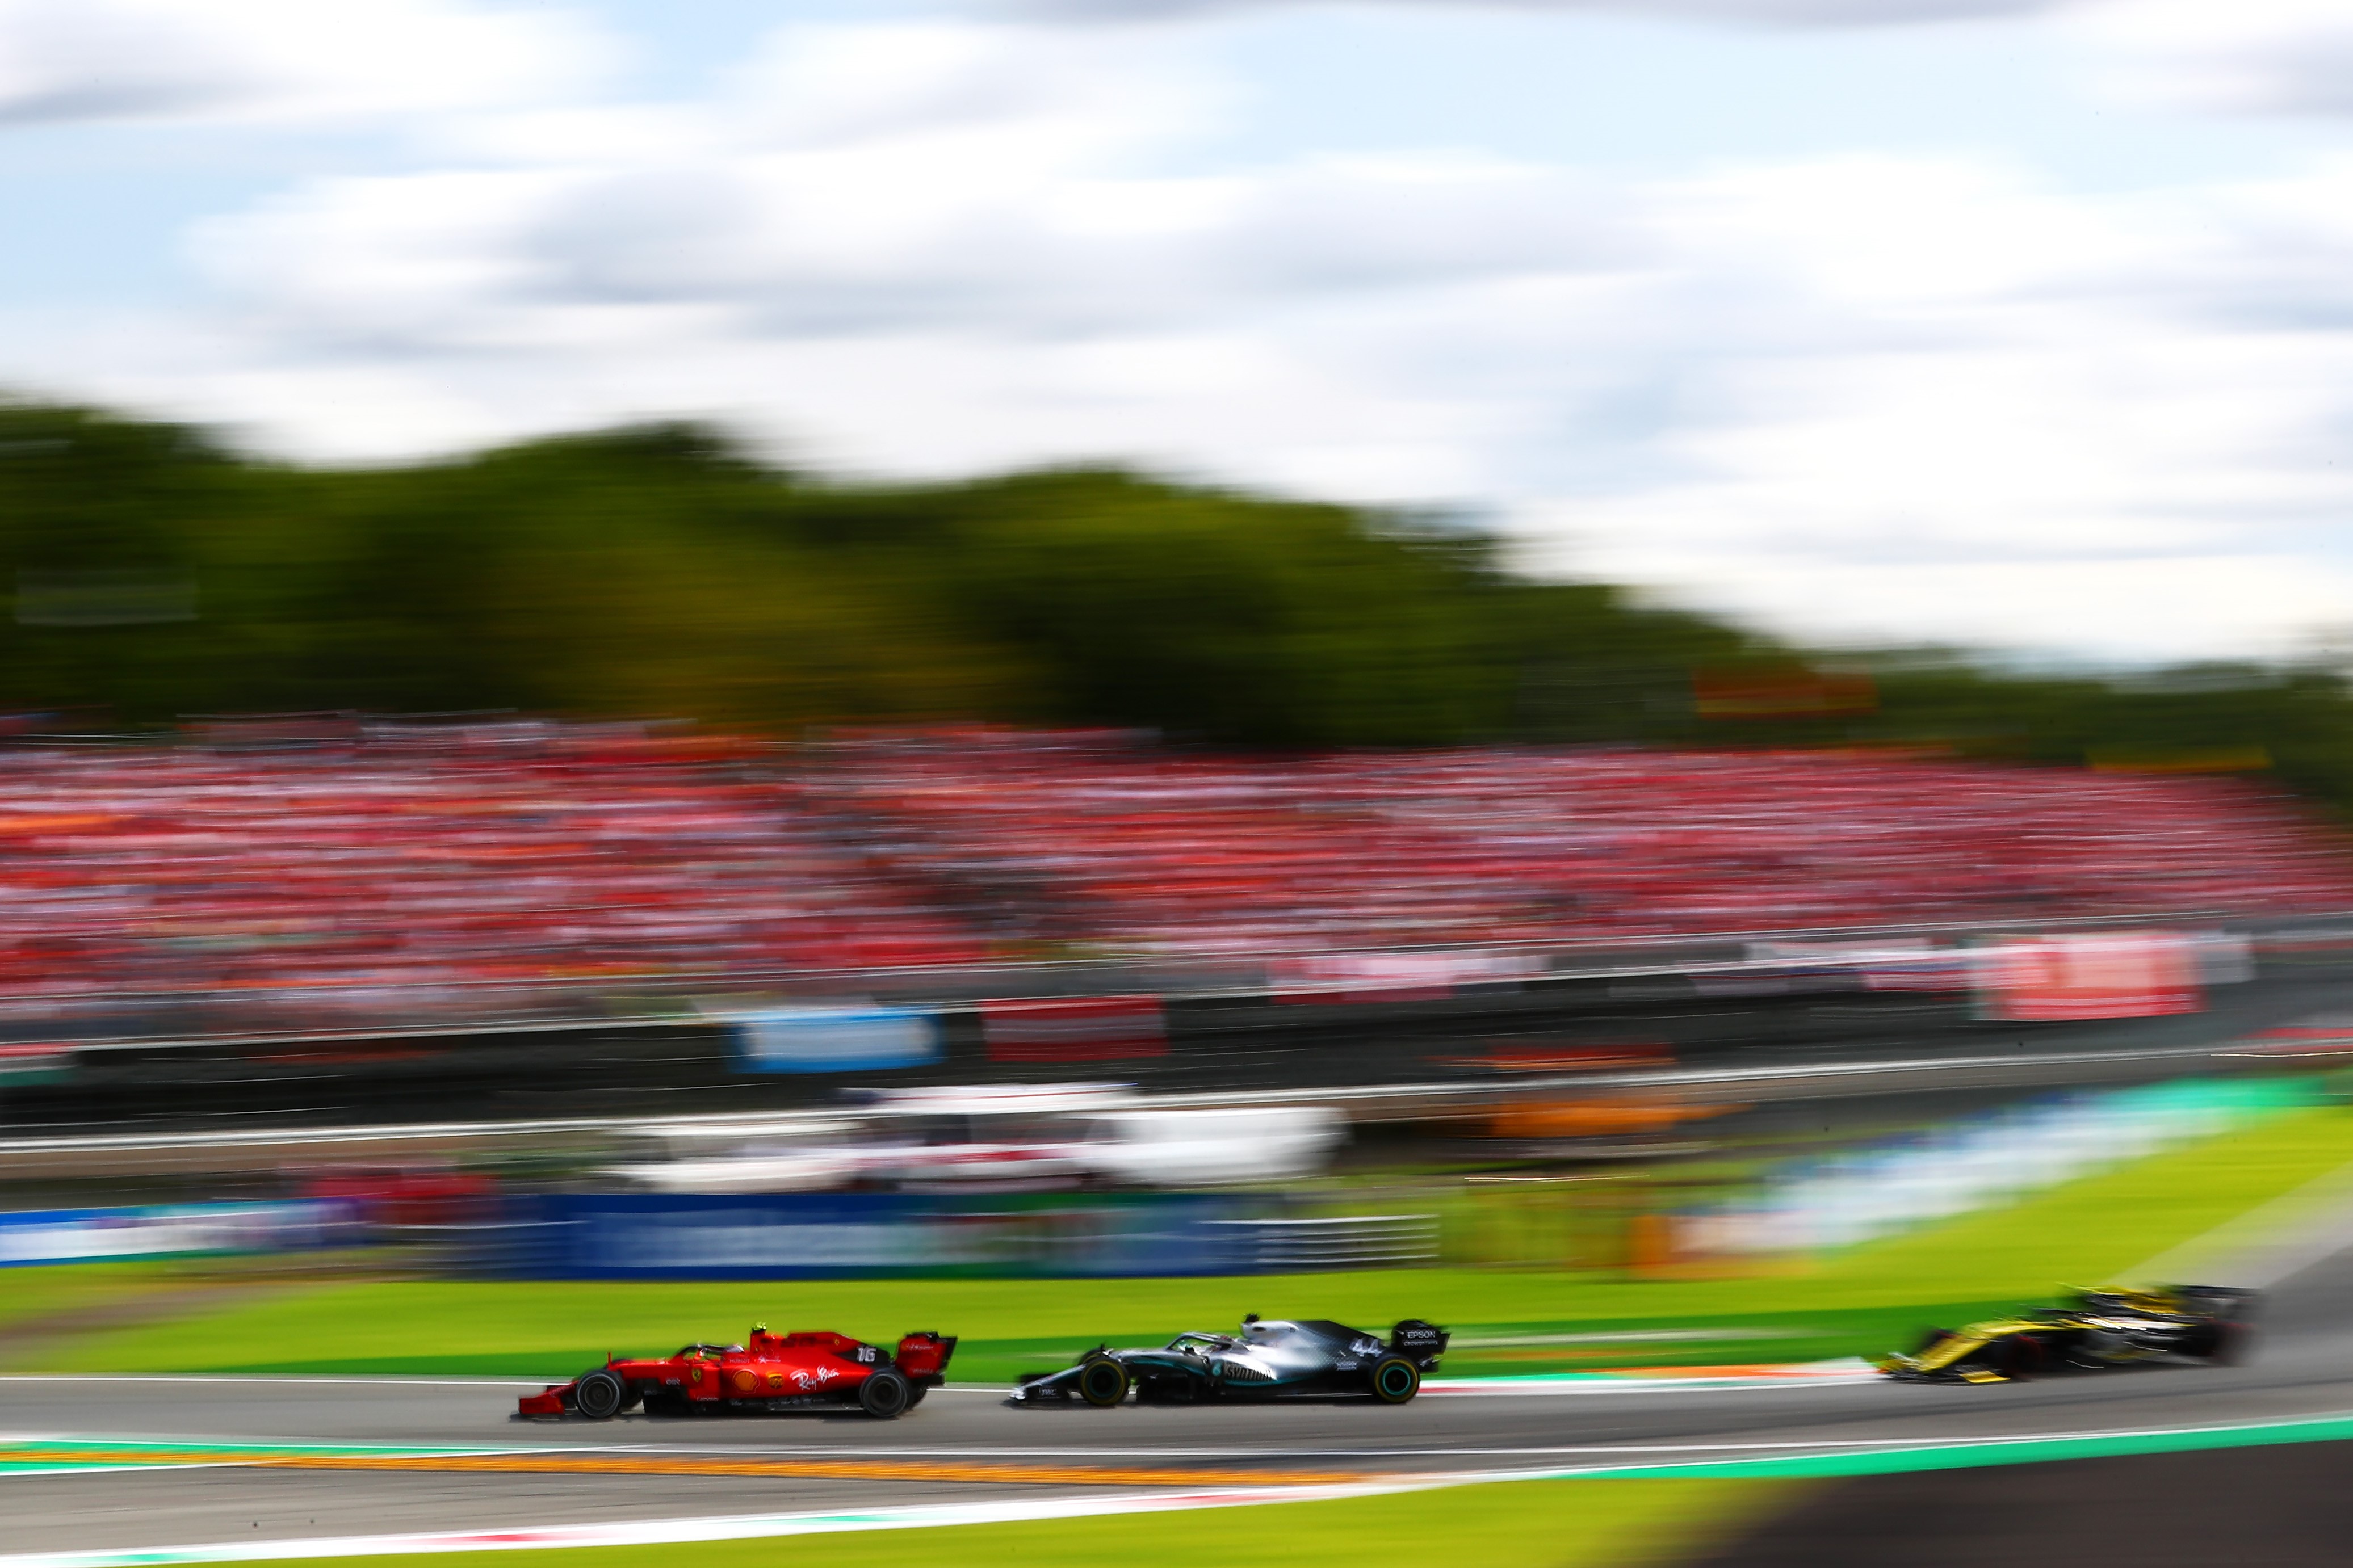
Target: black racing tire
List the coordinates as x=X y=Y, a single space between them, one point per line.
x=886 y=1394
x=1395 y=1380
x=1102 y=1383
x=2226 y=1346
x=600 y=1395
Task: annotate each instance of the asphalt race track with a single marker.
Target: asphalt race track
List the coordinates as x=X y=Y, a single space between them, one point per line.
x=2254 y=1508
x=962 y=1444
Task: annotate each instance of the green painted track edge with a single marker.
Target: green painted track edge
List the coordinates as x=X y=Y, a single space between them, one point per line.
x=1978 y=1453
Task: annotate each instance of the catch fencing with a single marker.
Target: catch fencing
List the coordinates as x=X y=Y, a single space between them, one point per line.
x=1314 y=1245
x=891 y=1235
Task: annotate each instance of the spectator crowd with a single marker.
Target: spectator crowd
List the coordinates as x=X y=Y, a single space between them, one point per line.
x=1099 y=840
x=420 y=871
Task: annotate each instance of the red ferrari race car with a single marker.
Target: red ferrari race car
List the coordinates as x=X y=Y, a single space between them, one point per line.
x=770 y=1372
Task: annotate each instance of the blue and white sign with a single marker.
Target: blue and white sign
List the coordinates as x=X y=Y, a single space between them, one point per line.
x=83 y=1235
x=836 y=1039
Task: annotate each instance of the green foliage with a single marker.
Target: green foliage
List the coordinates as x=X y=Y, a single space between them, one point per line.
x=662 y=572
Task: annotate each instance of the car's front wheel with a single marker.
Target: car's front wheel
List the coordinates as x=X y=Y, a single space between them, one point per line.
x=1102 y=1384
x=600 y=1395
x=1395 y=1380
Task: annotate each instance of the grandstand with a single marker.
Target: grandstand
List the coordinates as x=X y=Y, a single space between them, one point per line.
x=392 y=873
x=1099 y=839
x=386 y=876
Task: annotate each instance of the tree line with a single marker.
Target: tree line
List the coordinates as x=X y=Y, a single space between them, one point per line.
x=157 y=573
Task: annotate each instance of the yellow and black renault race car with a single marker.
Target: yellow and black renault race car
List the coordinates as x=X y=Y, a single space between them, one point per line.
x=2094 y=1328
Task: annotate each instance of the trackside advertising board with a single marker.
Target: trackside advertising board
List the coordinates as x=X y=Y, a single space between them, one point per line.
x=589 y=1235
x=2109 y=974
x=1077 y=1029
x=1394 y=976
x=82 y=1235
x=835 y=1039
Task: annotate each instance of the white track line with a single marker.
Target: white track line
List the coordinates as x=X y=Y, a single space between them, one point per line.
x=1777 y=1445
x=1004 y=1510
x=674 y=1532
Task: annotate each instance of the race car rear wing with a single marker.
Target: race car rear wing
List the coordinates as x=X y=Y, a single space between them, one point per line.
x=1416 y=1339
x=2226 y=1301
x=926 y=1355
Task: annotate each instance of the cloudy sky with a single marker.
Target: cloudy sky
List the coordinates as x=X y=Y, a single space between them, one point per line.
x=2017 y=323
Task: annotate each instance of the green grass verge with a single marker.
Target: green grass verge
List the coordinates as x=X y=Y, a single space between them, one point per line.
x=1516 y=1524
x=36 y=1292
x=1860 y=1301
x=1598 y=1344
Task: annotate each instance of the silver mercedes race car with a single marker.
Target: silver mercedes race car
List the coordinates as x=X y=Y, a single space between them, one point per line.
x=1312 y=1358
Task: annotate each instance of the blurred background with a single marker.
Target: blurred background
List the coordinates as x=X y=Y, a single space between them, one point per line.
x=611 y=855
x=1571 y=661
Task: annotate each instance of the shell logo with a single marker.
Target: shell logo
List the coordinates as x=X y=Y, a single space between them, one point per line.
x=747 y=1381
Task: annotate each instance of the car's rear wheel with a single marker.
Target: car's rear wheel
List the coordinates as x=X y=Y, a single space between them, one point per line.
x=886 y=1394
x=2226 y=1346
x=1395 y=1380
x=1102 y=1384
x=600 y=1395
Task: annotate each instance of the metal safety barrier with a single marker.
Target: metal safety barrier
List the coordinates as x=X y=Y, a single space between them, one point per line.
x=1352 y=1241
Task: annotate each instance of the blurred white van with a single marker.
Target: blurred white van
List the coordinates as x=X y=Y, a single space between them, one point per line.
x=992 y=1139
x=1211 y=1146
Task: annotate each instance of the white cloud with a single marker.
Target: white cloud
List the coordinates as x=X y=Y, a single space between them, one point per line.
x=279 y=60
x=1884 y=397
x=2110 y=424
x=1756 y=13
x=879 y=184
x=2265 y=56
